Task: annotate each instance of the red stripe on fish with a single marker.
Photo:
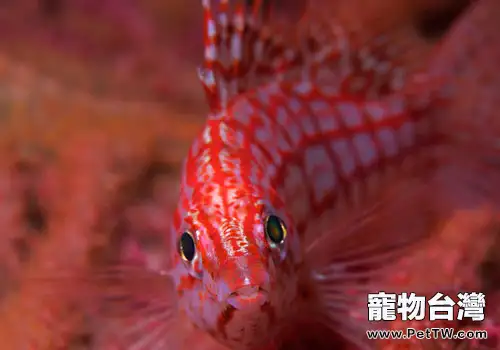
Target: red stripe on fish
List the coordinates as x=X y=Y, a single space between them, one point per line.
x=322 y=145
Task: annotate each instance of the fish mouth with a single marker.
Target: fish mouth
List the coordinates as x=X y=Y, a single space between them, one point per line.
x=248 y=297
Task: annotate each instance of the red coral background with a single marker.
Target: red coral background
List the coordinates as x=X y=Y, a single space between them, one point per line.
x=98 y=103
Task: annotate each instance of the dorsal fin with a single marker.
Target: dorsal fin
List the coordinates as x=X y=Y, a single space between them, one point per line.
x=243 y=49
x=240 y=49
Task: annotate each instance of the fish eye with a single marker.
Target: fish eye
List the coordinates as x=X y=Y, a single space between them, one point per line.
x=187 y=248
x=275 y=229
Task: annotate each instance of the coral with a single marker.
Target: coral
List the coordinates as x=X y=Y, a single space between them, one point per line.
x=123 y=48
x=75 y=172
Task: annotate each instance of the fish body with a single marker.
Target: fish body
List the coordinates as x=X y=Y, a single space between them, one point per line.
x=278 y=151
x=299 y=150
x=305 y=183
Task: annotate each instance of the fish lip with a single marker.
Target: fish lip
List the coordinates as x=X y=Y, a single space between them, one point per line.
x=248 y=291
x=248 y=297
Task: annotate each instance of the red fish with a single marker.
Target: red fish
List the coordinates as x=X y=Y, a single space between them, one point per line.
x=316 y=169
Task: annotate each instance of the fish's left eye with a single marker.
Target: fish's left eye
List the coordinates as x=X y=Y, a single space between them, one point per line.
x=275 y=229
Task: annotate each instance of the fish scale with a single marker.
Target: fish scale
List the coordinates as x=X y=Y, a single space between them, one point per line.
x=344 y=145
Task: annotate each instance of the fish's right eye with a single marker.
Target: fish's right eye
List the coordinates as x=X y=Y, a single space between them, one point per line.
x=187 y=248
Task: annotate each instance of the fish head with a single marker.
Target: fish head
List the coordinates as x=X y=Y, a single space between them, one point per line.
x=236 y=264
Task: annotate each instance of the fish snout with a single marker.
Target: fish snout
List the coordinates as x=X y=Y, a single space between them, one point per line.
x=244 y=284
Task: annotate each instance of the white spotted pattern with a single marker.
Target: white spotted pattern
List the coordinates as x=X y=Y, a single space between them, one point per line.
x=350 y=113
x=375 y=112
x=295 y=192
x=242 y=111
x=207 y=137
x=290 y=125
x=388 y=141
x=365 y=148
x=308 y=126
x=303 y=88
x=257 y=154
x=295 y=105
x=345 y=156
x=320 y=172
x=263 y=134
x=327 y=121
x=229 y=136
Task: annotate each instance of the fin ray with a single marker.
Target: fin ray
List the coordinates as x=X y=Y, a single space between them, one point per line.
x=348 y=261
x=137 y=306
x=243 y=50
x=465 y=64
